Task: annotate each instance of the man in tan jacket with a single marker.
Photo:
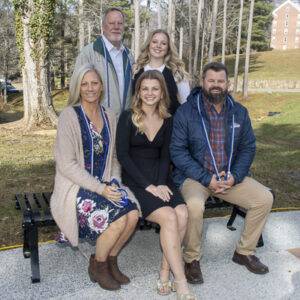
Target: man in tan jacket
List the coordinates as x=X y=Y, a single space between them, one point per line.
x=112 y=59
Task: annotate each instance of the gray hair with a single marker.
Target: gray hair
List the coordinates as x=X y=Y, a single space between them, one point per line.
x=75 y=82
x=111 y=9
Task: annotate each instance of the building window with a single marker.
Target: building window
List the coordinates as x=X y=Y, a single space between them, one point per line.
x=286 y=24
x=285 y=31
x=285 y=40
x=286 y=16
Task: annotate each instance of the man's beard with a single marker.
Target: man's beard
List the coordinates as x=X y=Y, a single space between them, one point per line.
x=215 y=98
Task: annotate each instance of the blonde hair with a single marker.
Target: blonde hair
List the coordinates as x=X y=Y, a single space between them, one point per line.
x=75 y=82
x=171 y=59
x=162 y=108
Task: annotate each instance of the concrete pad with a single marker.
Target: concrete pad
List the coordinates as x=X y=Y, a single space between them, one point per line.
x=64 y=270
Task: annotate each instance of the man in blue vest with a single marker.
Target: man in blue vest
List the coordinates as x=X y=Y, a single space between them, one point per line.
x=112 y=59
x=212 y=148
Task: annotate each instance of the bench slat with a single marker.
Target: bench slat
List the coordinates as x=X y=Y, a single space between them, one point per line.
x=34 y=208
x=47 y=197
x=23 y=204
x=45 y=210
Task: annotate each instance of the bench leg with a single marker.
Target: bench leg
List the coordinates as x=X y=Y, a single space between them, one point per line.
x=260 y=242
x=34 y=251
x=232 y=218
x=157 y=228
x=26 y=249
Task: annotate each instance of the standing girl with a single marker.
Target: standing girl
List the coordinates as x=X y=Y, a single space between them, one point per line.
x=158 y=53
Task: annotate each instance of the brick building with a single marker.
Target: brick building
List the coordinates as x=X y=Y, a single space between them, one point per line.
x=286 y=26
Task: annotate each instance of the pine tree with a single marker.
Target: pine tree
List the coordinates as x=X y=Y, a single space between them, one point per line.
x=262 y=19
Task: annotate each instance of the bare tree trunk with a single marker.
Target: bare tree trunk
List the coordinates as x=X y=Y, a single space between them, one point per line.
x=248 y=46
x=38 y=109
x=190 y=37
x=180 y=42
x=89 y=28
x=197 y=36
x=81 y=25
x=100 y=16
x=5 y=63
x=224 y=31
x=202 y=52
x=62 y=67
x=173 y=29
x=62 y=46
x=158 y=14
x=146 y=33
x=238 y=44
x=170 y=15
x=5 y=90
x=213 y=31
x=132 y=42
x=148 y=17
x=51 y=77
x=136 y=28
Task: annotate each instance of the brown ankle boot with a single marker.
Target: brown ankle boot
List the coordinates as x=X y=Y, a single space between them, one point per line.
x=99 y=272
x=115 y=271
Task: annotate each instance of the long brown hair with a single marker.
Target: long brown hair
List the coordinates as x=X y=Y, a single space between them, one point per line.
x=162 y=108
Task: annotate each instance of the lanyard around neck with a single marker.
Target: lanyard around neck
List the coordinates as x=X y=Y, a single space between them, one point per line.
x=105 y=121
x=106 y=55
x=209 y=145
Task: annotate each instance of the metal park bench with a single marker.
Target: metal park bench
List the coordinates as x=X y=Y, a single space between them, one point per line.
x=36 y=213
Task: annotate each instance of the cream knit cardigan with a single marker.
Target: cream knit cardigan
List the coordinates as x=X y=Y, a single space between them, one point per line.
x=71 y=174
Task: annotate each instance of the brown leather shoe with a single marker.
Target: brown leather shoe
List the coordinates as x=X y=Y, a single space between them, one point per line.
x=99 y=272
x=251 y=262
x=193 y=272
x=115 y=271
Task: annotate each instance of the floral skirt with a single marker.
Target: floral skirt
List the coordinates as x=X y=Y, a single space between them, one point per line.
x=95 y=213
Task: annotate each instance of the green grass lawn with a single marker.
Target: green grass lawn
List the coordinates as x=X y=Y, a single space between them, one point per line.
x=277 y=162
x=271 y=65
x=27 y=159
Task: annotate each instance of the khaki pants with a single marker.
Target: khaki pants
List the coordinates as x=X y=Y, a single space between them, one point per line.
x=249 y=194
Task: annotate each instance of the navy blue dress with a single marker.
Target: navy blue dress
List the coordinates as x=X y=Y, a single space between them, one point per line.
x=94 y=212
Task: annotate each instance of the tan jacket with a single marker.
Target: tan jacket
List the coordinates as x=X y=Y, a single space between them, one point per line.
x=71 y=174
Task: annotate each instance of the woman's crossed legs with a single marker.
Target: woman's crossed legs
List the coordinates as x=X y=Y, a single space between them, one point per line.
x=172 y=223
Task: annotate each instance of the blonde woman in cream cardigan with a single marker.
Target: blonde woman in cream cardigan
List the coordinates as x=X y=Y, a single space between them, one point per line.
x=88 y=201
